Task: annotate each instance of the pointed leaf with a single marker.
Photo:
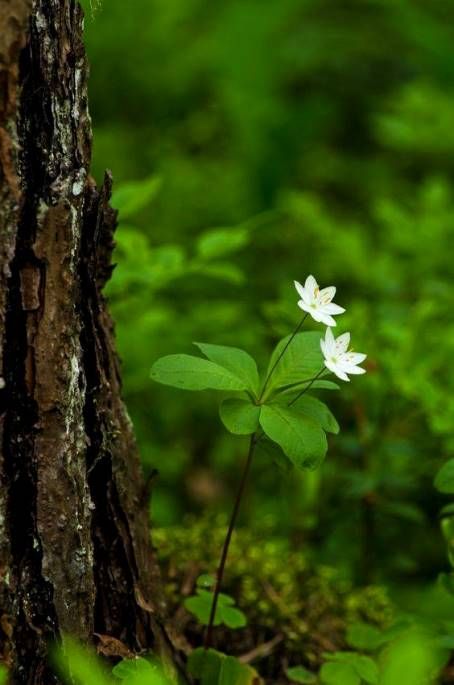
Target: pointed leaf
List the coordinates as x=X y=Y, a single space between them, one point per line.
x=301 y=438
x=366 y=668
x=200 y=606
x=339 y=674
x=235 y=360
x=444 y=480
x=240 y=417
x=299 y=674
x=79 y=664
x=301 y=361
x=192 y=373
x=295 y=388
x=140 y=671
x=129 y=198
x=233 y=617
x=317 y=410
x=365 y=636
x=221 y=241
x=213 y=668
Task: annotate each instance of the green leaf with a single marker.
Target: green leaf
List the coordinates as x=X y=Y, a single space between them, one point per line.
x=364 y=636
x=363 y=666
x=140 y=672
x=240 y=417
x=446 y=581
x=235 y=360
x=339 y=674
x=299 y=674
x=301 y=361
x=129 y=198
x=206 y=581
x=221 y=241
x=273 y=450
x=444 y=480
x=79 y=665
x=200 y=606
x=317 y=410
x=366 y=668
x=3 y=675
x=213 y=668
x=224 y=271
x=413 y=654
x=300 y=437
x=233 y=617
x=192 y=373
x=295 y=388
x=226 y=613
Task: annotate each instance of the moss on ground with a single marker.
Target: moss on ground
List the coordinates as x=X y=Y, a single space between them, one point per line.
x=296 y=609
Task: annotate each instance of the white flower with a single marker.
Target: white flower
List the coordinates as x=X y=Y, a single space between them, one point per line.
x=318 y=303
x=337 y=357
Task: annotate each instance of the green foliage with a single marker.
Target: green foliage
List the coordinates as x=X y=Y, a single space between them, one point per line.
x=415 y=655
x=310 y=603
x=364 y=636
x=444 y=480
x=221 y=242
x=3 y=675
x=302 y=361
x=298 y=431
x=226 y=612
x=237 y=361
x=78 y=665
x=130 y=198
x=239 y=416
x=213 y=668
x=330 y=153
x=299 y=674
x=301 y=438
x=349 y=668
x=192 y=373
x=139 y=672
x=318 y=411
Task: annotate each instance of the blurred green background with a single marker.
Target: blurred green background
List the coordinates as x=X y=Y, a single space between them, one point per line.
x=253 y=142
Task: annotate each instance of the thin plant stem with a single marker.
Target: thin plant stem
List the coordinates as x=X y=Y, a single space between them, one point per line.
x=289 y=341
x=228 y=537
x=307 y=387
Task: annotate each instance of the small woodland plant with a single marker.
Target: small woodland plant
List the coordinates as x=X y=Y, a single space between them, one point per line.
x=278 y=410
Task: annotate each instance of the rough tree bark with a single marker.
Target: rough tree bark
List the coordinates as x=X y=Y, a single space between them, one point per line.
x=74 y=549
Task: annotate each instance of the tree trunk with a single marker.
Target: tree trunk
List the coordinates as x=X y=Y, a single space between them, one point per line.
x=74 y=549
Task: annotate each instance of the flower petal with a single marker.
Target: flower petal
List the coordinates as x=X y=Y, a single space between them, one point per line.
x=327 y=294
x=325 y=318
x=334 y=368
x=311 y=286
x=330 y=345
x=300 y=289
x=352 y=369
x=332 y=308
x=305 y=307
x=354 y=358
x=342 y=343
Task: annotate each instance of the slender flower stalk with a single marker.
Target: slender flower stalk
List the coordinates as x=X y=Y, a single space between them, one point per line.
x=225 y=549
x=308 y=387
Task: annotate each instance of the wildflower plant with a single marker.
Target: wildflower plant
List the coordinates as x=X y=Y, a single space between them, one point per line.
x=280 y=409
